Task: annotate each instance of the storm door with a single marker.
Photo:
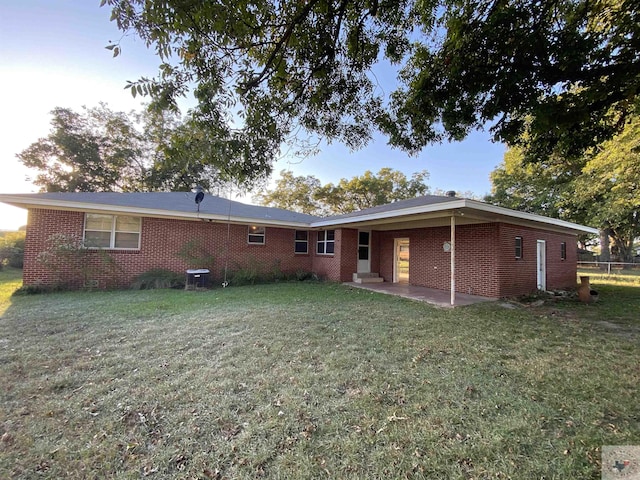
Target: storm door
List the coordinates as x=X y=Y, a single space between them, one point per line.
x=364 y=252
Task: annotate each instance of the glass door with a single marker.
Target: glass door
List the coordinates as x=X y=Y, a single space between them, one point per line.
x=401 y=261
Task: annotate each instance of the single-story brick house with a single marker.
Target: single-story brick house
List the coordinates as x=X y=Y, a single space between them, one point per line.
x=439 y=242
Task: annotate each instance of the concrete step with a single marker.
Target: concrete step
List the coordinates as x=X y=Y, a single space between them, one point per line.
x=367 y=278
x=370 y=280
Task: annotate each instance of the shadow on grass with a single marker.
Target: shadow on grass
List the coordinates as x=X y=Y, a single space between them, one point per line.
x=308 y=381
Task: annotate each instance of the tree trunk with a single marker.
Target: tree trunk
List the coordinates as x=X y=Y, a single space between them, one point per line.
x=605 y=251
x=625 y=249
x=605 y=248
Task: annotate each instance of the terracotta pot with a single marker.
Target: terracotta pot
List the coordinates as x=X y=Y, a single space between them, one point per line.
x=585 y=294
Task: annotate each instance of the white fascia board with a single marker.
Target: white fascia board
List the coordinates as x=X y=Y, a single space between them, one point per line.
x=437 y=207
x=23 y=202
x=447 y=207
x=507 y=212
x=444 y=207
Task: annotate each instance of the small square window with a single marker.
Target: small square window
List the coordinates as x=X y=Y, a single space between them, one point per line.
x=256 y=235
x=326 y=242
x=563 y=251
x=301 y=241
x=518 y=247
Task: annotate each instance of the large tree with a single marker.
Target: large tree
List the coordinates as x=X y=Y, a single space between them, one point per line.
x=295 y=193
x=180 y=155
x=545 y=187
x=97 y=150
x=601 y=188
x=565 y=70
x=370 y=190
x=609 y=189
x=308 y=195
x=102 y=150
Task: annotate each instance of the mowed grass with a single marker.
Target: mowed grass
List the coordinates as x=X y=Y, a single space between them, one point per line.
x=312 y=380
x=629 y=278
x=10 y=281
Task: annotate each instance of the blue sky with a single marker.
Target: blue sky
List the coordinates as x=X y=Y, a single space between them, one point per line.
x=52 y=55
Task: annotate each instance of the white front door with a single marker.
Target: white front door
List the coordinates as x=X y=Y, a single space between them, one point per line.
x=364 y=252
x=542 y=265
x=401 y=260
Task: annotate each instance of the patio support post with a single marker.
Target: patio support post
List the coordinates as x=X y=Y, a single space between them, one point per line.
x=453 y=258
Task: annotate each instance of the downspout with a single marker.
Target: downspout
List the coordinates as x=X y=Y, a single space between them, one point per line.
x=453 y=259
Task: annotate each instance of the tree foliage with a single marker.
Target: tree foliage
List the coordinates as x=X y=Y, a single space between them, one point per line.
x=99 y=150
x=600 y=188
x=545 y=188
x=94 y=151
x=567 y=71
x=308 y=195
x=12 y=248
x=293 y=193
x=609 y=188
x=370 y=190
x=179 y=155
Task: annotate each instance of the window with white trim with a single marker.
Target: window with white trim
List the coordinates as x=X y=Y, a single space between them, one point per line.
x=255 y=235
x=563 y=251
x=301 y=241
x=326 y=242
x=518 y=247
x=112 y=231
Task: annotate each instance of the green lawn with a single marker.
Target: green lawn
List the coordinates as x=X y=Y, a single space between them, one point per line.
x=312 y=380
x=617 y=277
x=10 y=280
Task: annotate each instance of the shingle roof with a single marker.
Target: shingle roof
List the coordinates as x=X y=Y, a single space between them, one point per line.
x=182 y=205
x=174 y=202
x=399 y=205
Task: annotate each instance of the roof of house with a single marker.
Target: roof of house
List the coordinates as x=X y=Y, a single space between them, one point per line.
x=433 y=210
x=399 y=205
x=429 y=210
x=163 y=204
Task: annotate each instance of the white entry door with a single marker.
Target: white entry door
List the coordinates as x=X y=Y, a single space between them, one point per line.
x=542 y=265
x=364 y=252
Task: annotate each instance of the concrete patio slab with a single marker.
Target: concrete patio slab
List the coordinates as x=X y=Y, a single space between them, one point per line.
x=440 y=298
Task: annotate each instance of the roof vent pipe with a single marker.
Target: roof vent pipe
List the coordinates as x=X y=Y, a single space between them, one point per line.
x=451 y=193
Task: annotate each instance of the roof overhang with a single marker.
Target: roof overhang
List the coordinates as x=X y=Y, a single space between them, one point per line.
x=466 y=211
x=89 y=207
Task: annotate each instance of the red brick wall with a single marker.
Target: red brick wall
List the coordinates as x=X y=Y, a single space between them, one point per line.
x=160 y=243
x=518 y=276
x=430 y=265
x=485 y=259
x=325 y=266
x=485 y=263
x=340 y=266
x=348 y=254
x=374 y=255
x=41 y=224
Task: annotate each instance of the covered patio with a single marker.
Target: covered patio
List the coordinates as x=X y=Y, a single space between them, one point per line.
x=440 y=298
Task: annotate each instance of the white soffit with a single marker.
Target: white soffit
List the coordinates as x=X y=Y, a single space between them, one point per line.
x=474 y=211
